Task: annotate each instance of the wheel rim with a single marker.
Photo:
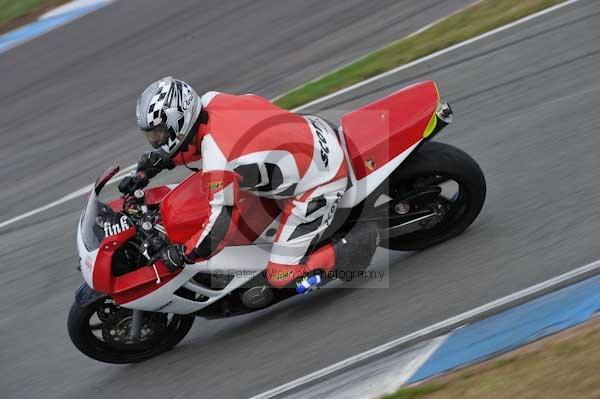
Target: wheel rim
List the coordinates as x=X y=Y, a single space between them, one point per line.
x=108 y=327
x=452 y=203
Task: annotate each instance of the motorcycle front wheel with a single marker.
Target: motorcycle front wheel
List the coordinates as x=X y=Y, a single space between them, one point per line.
x=103 y=331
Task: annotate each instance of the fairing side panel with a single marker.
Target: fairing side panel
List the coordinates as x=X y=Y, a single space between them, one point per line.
x=244 y=262
x=378 y=137
x=380 y=131
x=87 y=259
x=362 y=188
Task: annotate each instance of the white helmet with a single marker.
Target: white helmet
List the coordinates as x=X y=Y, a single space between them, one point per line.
x=166 y=111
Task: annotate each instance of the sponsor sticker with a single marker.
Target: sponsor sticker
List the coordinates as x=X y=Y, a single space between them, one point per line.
x=370 y=164
x=320 y=132
x=215 y=185
x=282 y=274
x=117 y=228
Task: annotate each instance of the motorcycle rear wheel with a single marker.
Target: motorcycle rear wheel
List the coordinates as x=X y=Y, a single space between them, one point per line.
x=438 y=162
x=98 y=339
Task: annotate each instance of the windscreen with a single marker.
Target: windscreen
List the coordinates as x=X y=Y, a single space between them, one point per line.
x=92 y=223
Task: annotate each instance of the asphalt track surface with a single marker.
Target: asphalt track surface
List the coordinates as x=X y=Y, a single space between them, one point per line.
x=526 y=109
x=71 y=93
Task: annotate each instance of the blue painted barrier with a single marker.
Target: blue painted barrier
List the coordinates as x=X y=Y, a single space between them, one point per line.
x=510 y=329
x=39 y=27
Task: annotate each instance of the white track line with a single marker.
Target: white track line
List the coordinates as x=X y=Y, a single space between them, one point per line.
x=73 y=195
x=84 y=190
x=431 y=330
x=74 y=6
x=412 y=367
x=77 y=193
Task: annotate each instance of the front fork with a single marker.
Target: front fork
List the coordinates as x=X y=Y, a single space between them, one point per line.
x=137 y=317
x=86 y=296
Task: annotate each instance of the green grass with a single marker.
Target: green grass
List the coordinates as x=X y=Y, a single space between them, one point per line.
x=504 y=362
x=470 y=22
x=12 y=12
x=414 y=393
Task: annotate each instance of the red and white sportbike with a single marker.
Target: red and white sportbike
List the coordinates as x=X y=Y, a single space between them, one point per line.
x=420 y=193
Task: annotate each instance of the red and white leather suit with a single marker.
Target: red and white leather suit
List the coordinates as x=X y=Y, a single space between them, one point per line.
x=277 y=154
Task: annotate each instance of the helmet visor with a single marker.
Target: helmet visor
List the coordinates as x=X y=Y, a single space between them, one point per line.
x=157 y=136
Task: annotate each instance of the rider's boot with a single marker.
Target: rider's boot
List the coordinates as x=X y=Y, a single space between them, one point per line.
x=284 y=276
x=354 y=251
x=350 y=254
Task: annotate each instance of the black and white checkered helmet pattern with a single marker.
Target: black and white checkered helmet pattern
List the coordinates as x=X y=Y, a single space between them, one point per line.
x=171 y=103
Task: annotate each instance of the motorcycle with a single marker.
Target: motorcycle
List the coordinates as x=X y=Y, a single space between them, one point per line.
x=132 y=308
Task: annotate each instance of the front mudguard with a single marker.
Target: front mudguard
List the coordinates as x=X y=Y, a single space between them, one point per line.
x=86 y=295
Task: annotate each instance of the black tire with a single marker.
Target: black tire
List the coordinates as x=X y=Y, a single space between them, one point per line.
x=84 y=339
x=434 y=158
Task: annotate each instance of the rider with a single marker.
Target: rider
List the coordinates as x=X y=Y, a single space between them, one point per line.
x=247 y=143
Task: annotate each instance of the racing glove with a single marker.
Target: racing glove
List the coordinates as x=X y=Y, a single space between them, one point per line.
x=173 y=256
x=131 y=183
x=153 y=162
x=150 y=164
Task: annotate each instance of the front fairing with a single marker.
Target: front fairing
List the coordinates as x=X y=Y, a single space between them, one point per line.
x=97 y=222
x=91 y=231
x=87 y=258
